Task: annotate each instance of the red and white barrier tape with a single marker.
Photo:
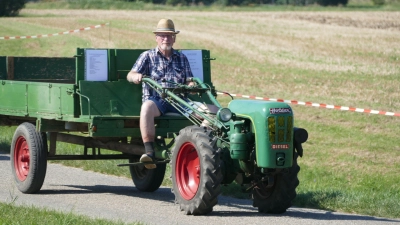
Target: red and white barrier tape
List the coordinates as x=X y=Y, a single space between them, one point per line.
x=50 y=35
x=344 y=108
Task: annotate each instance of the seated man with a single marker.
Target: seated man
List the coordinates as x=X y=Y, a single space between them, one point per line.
x=162 y=62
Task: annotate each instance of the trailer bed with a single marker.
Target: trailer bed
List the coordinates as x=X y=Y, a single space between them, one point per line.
x=59 y=94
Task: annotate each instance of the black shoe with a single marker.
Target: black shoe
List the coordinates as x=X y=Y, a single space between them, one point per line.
x=147 y=159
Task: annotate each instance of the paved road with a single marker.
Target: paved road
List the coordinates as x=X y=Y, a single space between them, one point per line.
x=110 y=197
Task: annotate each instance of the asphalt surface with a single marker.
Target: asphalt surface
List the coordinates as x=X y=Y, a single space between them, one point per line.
x=97 y=195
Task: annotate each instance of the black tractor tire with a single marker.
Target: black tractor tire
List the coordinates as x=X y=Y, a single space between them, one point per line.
x=144 y=179
x=279 y=197
x=196 y=172
x=28 y=158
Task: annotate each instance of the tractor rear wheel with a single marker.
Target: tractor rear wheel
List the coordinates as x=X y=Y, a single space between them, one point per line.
x=278 y=198
x=196 y=174
x=28 y=158
x=144 y=179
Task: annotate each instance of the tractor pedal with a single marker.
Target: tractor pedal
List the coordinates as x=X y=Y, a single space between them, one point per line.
x=148 y=161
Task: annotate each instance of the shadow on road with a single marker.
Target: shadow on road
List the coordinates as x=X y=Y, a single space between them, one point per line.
x=324 y=215
x=245 y=207
x=162 y=194
x=301 y=214
x=4 y=155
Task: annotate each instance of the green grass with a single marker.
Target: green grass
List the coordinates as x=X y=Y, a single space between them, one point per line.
x=362 y=180
x=351 y=160
x=12 y=214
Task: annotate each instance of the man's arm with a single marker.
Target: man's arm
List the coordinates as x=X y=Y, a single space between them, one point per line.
x=140 y=65
x=134 y=77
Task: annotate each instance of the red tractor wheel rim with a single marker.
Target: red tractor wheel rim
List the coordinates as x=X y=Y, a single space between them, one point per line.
x=21 y=158
x=187 y=171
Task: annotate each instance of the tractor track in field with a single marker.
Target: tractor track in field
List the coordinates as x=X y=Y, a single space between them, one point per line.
x=97 y=195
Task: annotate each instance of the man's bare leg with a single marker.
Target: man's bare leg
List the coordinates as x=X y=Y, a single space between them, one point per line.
x=148 y=112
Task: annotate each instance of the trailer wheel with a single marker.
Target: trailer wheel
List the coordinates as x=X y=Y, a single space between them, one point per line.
x=279 y=197
x=28 y=158
x=146 y=180
x=196 y=174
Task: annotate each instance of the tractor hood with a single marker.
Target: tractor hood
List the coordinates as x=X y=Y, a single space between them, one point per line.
x=272 y=124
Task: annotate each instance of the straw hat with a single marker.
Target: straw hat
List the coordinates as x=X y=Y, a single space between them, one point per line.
x=166 y=26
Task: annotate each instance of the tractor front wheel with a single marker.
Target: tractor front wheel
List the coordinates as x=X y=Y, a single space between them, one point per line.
x=28 y=158
x=196 y=174
x=278 y=198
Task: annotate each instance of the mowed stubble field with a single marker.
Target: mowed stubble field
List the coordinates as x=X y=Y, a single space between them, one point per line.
x=351 y=161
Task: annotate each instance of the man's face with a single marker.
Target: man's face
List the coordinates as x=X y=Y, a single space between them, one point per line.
x=165 y=41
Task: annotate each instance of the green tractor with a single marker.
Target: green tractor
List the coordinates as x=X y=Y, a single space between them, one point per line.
x=251 y=142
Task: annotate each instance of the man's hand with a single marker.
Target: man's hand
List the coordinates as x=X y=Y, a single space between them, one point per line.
x=134 y=77
x=192 y=84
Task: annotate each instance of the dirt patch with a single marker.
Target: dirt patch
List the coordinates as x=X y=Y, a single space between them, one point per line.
x=386 y=20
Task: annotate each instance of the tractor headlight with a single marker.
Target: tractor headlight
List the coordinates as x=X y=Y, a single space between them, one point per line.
x=224 y=114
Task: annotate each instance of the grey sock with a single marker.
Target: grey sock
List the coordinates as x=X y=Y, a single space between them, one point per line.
x=149 y=148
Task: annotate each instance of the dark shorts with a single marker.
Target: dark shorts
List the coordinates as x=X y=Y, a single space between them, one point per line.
x=163 y=105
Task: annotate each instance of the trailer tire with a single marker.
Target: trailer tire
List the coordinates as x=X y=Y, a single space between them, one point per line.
x=196 y=173
x=144 y=179
x=278 y=198
x=28 y=158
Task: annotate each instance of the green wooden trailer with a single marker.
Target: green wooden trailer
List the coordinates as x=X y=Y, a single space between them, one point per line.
x=86 y=100
x=58 y=95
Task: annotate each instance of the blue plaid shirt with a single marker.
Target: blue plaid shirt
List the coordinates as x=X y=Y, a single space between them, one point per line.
x=154 y=64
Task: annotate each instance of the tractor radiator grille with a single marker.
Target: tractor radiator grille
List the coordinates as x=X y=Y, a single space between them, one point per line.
x=280 y=129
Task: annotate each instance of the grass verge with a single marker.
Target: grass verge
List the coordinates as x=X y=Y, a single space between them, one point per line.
x=13 y=214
